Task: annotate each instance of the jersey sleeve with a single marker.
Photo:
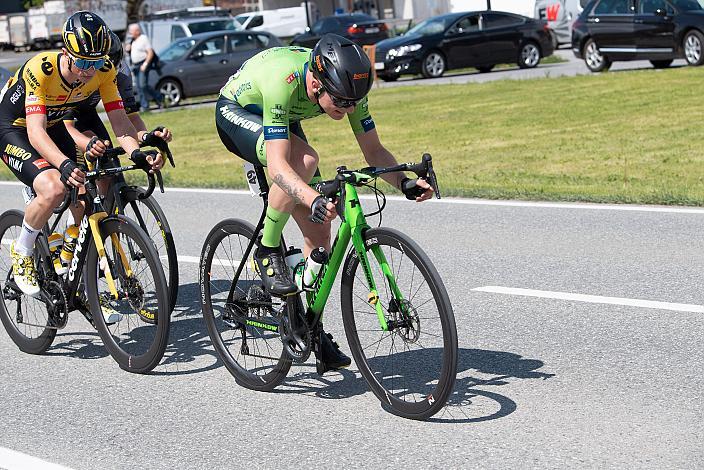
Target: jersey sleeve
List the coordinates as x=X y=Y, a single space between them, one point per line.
x=35 y=95
x=108 y=91
x=126 y=89
x=360 y=119
x=275 y=109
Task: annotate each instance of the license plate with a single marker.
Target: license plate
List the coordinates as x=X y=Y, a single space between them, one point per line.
x=371 y=30
x=379 y=66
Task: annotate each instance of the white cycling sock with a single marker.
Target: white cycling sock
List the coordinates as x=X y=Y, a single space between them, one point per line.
x=24 y=245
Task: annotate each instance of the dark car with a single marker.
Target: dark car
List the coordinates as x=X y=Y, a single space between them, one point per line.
x=655 y=30
x=357 y=27
x=202 y=63
x=4 y=76
x=478 y=39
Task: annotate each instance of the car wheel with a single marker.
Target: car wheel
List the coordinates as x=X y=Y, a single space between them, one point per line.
x=692 y=45
x=171 y=90
x=593 y=58
x=433 y=65
x=529 y=56
x=661 y=64
x=485 y=68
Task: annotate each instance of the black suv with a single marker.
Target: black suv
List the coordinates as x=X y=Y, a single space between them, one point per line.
x=655 y=30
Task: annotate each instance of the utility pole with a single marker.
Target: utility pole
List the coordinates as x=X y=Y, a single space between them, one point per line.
x=307 y=13
x=488 y=4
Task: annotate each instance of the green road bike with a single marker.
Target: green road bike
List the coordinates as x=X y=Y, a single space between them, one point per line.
x=396 y=312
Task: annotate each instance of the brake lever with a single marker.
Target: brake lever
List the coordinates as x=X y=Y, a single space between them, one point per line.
x=74 y=196
x=432 y=178
x=150 y=188
x=160 y=180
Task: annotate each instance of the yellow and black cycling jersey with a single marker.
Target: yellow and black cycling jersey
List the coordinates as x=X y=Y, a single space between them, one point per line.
x=39 y=87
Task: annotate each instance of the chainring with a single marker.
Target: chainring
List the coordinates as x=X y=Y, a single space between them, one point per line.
x=295 y=334
x=58 y=308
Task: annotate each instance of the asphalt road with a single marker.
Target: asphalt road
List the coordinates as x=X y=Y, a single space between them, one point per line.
x=543 y=382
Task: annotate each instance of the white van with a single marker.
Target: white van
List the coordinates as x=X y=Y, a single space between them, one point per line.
x=284 y=22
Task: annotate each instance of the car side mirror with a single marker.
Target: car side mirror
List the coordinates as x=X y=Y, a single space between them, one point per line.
x=660 y=12
x=197 y=55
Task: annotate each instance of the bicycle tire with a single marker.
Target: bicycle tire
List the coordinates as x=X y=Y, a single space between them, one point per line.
x=34 y=344
x=268 y=367
x=129 y=196
x=151 y=317
x=404 y=380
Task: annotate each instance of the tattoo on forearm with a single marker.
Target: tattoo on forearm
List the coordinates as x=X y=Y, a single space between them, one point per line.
x=289 y=188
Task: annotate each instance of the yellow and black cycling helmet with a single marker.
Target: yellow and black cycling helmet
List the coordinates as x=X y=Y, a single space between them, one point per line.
x=86 y=35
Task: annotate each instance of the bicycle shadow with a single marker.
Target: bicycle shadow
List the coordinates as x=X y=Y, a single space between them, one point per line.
x=467 y=404
x=80 y=344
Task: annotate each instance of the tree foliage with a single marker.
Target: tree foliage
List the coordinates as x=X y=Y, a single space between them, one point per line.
x=27 y=4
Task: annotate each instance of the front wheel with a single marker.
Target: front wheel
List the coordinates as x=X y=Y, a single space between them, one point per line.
x=138 y=328
x=433 y=65
x=242 y=318
x=693 y=44
x=171 y=91
x=412 y=367
x=25 y=318
x=151 y=218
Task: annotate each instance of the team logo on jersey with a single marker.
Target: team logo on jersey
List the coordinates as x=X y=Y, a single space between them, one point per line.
x=17 y=94
x=47 y=67
x=291 y=77
x=17 y=152
x=41 y=163
x=31 y=99
x=278 y=111
x=32 y=79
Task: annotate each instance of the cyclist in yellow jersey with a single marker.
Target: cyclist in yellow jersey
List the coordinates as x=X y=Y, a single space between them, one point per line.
x=35 y=144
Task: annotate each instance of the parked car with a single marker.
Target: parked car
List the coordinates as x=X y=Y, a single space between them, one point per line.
x=357 y=27
x=283 y=22
x=162 y=32
x=202 y=63
x=655 y=30
x=478 y=39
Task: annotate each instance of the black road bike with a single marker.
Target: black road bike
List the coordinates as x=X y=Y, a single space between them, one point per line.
x=115 y=265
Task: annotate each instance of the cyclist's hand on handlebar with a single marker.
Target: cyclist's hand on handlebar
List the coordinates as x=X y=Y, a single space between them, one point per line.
x=322 y=211
x=416 y=189
x=96 y=148
x=159 y=133
x=71 y=175
x=146 y=161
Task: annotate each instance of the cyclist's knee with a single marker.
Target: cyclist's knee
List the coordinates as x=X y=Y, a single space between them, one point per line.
x=49 y=187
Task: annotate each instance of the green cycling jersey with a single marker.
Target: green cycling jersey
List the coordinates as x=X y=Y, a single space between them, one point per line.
x=272 y=84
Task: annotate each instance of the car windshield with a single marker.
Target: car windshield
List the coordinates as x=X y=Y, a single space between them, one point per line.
x=176 y=50
x=241 y=18
x=213 y=25
x=688 y=5
x=431 y=26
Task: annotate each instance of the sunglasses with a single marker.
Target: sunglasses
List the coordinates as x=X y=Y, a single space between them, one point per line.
x=342 y=102
x=85 y=64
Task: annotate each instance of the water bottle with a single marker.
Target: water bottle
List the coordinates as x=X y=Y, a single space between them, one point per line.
x=70 y=236
x=56 y=240
x=318 y=257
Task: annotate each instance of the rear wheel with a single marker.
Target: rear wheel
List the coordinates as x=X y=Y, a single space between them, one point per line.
x=138 y=339
x=242 y=319
x=593 y=58
x=529 y=56
x=412 y=367
x=24 y=317
x=693 y=45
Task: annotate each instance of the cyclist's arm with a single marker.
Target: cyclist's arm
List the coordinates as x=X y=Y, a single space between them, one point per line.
x=124 y=130
x=281 y=172
x=40 y=140
x=81 y=139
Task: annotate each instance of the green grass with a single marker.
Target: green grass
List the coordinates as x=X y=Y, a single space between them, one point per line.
x=615 y=137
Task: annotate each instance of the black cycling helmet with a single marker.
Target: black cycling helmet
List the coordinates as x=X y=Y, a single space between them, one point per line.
x=86 y=35
x=342 y=67
x=115 y=52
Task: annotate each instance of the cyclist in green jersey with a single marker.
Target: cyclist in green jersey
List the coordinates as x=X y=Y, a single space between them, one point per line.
x=258 y=117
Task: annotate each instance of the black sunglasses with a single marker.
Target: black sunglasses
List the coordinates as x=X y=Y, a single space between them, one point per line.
x=341 y=102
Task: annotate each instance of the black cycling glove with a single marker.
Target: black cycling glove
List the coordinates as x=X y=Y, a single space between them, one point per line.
x=410 y=188
x=151 y=139
x=318 y=210
x=66 y=168
x=140 y=160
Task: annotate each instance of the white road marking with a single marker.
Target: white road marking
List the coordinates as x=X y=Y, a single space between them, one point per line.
x=196 y=260
x=595 y=299
x=472 y=202
x=13 y=460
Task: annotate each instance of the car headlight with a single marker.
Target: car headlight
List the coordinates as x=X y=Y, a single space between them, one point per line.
x=403 y=50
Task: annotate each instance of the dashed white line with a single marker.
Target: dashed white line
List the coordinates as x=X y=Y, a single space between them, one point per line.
x=594 y=299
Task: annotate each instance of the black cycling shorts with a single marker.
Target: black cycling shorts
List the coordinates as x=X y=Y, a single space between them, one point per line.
x=23 y=160
x=239 y=138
